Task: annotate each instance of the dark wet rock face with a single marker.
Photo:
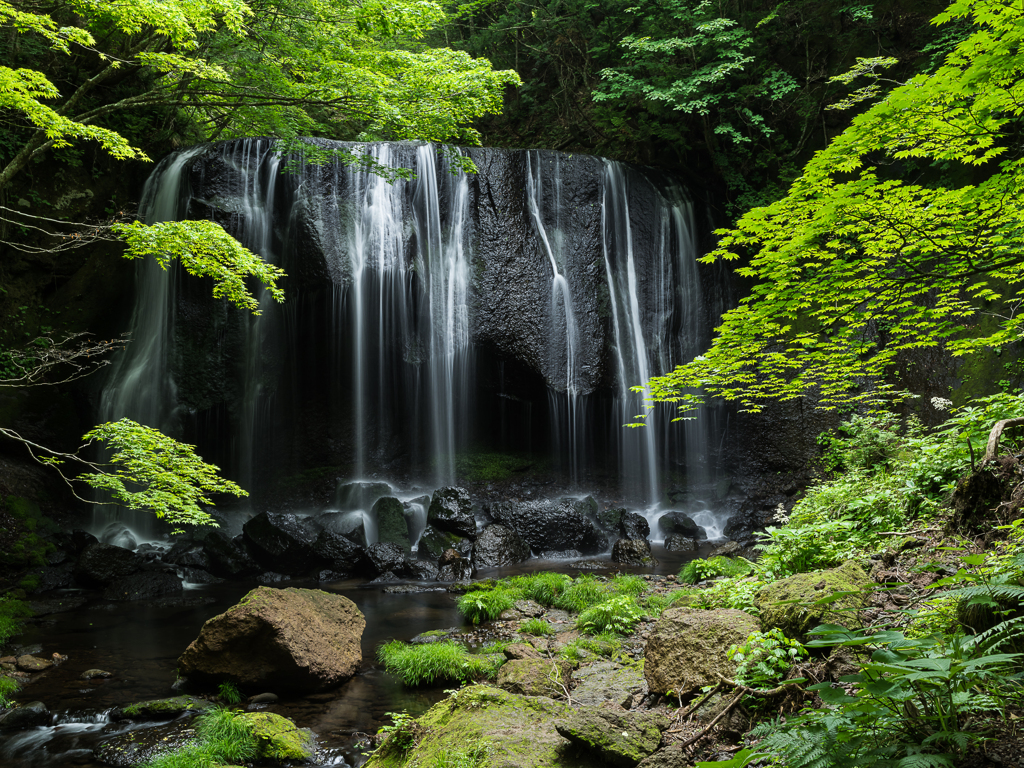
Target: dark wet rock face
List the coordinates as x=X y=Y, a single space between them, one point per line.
x=499 y=545
x=282 y=542
x=634 y=526
x=676 y=542
x=551 y=526
x=452 y=511
x=229 y=558
x=632 y=552
x=391 y=523
x=144 y=586
x=352 y=496
x=337 y=553
x=681 y=523
x=101 y=564
x=384 y=557
x=460 y=570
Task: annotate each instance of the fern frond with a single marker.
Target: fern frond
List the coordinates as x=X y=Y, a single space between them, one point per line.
x=1002 y=633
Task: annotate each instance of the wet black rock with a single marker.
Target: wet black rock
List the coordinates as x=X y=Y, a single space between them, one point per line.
x=452 y=511
x=421 y=570
x=676 y=542
x=26 y=716
x=229 y=558
x=101 y=564
x=499 y=545
x=282 y=542
x=385 y=578
x=75 y=542
x=56 y=577
x=634 y=526
x=197 y=575
x=383 y=557
x=327 y=575
x=434 y=542
x=611 y=519
x=551 y=526
x=272 y=577
x=679 y=522
x=560 y=554
x=460 y=570
x=337 y=552
x=344 y=524
x=632 y=552
x=189 y=554
x=391 y=523
x=147 y=585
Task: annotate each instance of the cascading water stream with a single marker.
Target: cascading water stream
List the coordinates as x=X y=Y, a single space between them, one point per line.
x=564 y=339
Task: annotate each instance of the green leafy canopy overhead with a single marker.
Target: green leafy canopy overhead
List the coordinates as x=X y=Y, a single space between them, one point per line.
x=904 y=233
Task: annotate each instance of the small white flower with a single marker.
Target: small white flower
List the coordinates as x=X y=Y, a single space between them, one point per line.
x=941 y=404
x=625 y=734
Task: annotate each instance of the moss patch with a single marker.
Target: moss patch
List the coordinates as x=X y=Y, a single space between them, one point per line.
x=277 y=738
x=789 y=604
x=159 y=708
x=519 y=732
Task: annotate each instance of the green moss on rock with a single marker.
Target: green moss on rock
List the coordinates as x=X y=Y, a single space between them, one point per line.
x=789 y=604
x=162 y=708
x=278 y=739
x=518 y=732
x=536 y=677
x=621 y=739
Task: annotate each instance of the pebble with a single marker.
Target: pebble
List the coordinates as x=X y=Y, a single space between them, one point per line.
x=92 y=674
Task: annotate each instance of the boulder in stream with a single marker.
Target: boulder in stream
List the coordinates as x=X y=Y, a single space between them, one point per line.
x=634 y=526
x=229 y=558
x=681 y=523
x=296 y=640
x=551 y=526
x=632 y=552
x=499 y=545
x=452 y=511
x=618 y=739
x=282 y=542
x=392 y=526
x=144 y=586
x=351 y=496
x=100 y=564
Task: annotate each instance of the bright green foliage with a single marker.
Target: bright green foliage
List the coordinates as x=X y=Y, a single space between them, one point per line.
x=543 y=587
x=229 y=693
x=486 y=604
x=618 y=614
x=8 y=688
x=897 y=237
x=585 y=591
x=628 y=584
x=148 y=470
x=536 y=627
x=204 y=250
x=657 y=603
x=764 y=658
x=466 y=757
x=445 y=660
x=700 y=569
x=223 y=738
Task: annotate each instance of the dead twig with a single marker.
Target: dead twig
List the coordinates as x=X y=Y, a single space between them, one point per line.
x=707 y=729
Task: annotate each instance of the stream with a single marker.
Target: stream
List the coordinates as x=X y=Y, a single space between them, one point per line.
x=140 y=643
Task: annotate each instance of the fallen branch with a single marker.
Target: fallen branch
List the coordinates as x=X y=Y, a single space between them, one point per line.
x=993 y=438
x=758 y=691
x=694 y=707
x=707 y=729
x=907 y=533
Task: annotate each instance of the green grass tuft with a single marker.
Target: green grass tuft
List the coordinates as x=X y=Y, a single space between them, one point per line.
x=229 y=693
x=487 y=604
x=699 y=570
x=444 y=660
x=585 y=592
x=628 y=584
x=536 y=627
x=544 y=587
x=223 y=738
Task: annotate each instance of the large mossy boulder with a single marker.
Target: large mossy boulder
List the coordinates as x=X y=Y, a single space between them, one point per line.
x=278 y=739
x=686 y=649
x=518 y=731
x=295 y=640
x=161 y=709
x=392 y=527
x=789 y=604
x=536 y=677
x=619 y=739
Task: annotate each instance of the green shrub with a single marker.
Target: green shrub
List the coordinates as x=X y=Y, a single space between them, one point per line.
x=444 y=660
x=584 y=592
x=628 y=584
x=764 y=658
x=487 y=604
x=657 y=603
x=229 y=693
x=223 y=738
x=619 y=614
x=544 y=587
x=536 y=627
x=699 y=569
x=8 y=688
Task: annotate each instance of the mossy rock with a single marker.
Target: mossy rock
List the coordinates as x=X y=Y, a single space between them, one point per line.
x=687 y=648
x=516 y=731
x=536 y=677
x=278 y=739
x=788 y=604
x=621 y=739
x=158 y=709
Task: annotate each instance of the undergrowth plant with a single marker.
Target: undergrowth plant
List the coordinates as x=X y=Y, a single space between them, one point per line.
x=445 y=660
x=700 y=569
x=228 y=692
x=223 y=738
x=8 y=688
x=764 y=658
x=12 y=611
x=619 y=615
x=536 y=627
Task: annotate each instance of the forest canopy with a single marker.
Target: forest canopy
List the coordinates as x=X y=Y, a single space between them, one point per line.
x=903 y=234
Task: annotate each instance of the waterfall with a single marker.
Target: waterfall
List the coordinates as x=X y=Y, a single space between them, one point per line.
x=425 y=318
x=563 y=344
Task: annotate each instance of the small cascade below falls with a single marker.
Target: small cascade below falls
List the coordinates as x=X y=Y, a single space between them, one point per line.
x=444 y=321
